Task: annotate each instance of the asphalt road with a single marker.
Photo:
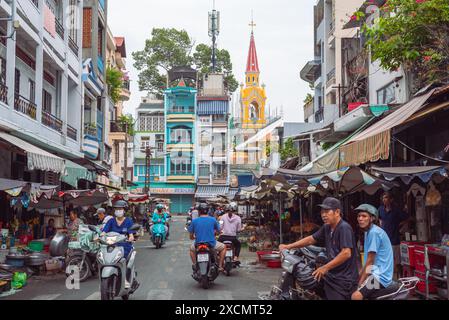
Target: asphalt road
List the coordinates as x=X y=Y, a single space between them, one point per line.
x=164 y=274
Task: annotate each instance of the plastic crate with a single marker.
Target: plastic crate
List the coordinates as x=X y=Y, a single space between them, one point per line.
x=421 y=286
x=408 y=252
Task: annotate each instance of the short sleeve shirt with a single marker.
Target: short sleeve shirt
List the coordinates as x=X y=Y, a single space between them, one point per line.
x=345 y=276
x=204 y=230
x=390 y=222
x=377 y=241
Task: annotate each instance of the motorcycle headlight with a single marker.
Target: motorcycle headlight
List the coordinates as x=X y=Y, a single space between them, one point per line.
x=287 y=266
x=118 y=256
x=100 y=257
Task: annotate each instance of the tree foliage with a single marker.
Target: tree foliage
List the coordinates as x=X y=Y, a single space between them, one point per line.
x=114 y=80
x=168 y=48
x=127 y=121
x=412 y=34
x=288 y=150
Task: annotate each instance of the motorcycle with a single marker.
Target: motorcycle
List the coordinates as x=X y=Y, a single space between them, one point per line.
x=297 y=282
x=158 y=237
x=114 y=267
x=82 y=254
x=229 y=262
x=206 y=268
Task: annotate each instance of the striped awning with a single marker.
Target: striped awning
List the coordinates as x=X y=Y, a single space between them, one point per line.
x=212 y=107
x=206 y=192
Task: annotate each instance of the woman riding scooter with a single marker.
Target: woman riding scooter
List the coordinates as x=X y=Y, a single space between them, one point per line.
x=122 y=225
x=159 y=216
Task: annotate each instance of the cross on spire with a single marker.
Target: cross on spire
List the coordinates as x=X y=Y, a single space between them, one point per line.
x=252 y=24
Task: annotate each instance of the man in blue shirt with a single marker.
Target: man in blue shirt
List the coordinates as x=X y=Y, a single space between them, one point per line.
x=203 y=230
x=377 y=273
x=391 y=220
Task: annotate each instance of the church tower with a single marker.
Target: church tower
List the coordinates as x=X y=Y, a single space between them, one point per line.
x=253 y=97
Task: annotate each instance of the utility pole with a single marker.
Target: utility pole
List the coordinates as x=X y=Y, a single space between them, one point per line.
x=125 y=168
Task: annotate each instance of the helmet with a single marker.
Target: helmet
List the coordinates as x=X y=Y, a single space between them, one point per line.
x=100 y=210
x=232 y=206
x=203 y=208
x=160 y=206
x=120 y=204
x=305 y=278
x=368 y=208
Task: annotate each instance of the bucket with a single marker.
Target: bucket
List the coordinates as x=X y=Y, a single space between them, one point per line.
x=275 y=264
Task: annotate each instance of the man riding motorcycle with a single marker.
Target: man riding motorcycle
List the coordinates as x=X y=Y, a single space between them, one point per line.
x=340 y=273
x=232 y=224
x=377 y=273
x=121 y=224
x=159 y=216
x=203 y=230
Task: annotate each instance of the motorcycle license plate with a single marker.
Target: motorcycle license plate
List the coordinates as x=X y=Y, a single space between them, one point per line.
x=203 y=258
x=229 y=253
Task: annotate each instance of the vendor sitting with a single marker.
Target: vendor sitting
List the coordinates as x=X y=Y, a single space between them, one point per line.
x=50 y=230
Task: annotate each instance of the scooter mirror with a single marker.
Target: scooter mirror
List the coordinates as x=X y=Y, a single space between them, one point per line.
x=92 y=228
x=135 y=227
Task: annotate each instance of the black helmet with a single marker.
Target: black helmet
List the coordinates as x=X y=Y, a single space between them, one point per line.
x=203 y=208
x=305 y=278
x=120 y=204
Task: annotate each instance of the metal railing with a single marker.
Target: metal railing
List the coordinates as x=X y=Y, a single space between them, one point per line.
x=90 y=130
x=180 y=109
x=72 y=133
x=23 y=105
x=36 y=3
x=126 y=85
x=330 y=76
x=3 y=93
x=51 y=121
x=73 y=46
x=59 y=28
x=117 y=127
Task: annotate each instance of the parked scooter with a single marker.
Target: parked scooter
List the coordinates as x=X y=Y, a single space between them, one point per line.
x=114 y=267
x=297 y=282
x=158 y=237
x=206 y=268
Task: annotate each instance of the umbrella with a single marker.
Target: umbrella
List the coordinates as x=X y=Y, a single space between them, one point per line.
x=77 y=198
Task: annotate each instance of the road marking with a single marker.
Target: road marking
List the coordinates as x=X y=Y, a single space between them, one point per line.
x=163 y=285
x=220 y=295
x=94 y=296
x=160 y=294
x=47 y=297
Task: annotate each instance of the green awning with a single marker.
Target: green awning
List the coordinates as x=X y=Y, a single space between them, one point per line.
x=75 y=172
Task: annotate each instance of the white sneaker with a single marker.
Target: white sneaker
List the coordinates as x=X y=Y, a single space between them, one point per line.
x=127 y=284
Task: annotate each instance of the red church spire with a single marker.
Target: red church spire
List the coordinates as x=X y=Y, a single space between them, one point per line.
x=252 y=65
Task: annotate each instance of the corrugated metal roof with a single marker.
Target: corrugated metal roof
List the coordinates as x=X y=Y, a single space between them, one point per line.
x=213 y=107
x=211 y=191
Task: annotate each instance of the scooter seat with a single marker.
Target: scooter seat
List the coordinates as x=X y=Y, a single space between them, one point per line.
x=227 y=242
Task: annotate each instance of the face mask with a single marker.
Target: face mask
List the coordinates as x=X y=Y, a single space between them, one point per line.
x=119 y=213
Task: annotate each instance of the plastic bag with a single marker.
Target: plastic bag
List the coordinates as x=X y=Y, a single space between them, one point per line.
x=19 y=280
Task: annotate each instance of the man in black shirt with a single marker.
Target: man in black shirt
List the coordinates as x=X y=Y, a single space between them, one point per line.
x=340 y=275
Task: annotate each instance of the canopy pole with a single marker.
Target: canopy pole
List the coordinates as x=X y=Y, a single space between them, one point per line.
x=280 y=221
x=301 y=216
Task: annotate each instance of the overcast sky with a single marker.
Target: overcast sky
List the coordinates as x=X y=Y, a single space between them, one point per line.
x=284 y=39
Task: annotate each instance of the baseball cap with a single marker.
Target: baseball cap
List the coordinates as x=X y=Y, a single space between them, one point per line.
x=368 y=208
x=330 y=204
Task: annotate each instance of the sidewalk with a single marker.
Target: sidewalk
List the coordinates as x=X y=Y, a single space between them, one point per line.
x=257 y=271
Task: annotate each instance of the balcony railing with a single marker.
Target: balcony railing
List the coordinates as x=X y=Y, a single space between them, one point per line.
x=36 y=3
x=59 y=28
x=126 y=85
x=180 y=109
x=73 y=46
x=23 y=105
x=3 y=93
x=90 y=130
x=72 y=133
x=116 y=127
x=51 y=121
x=331 y=77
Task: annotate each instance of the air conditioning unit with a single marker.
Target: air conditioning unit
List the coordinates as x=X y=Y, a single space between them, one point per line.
x=305 y=160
